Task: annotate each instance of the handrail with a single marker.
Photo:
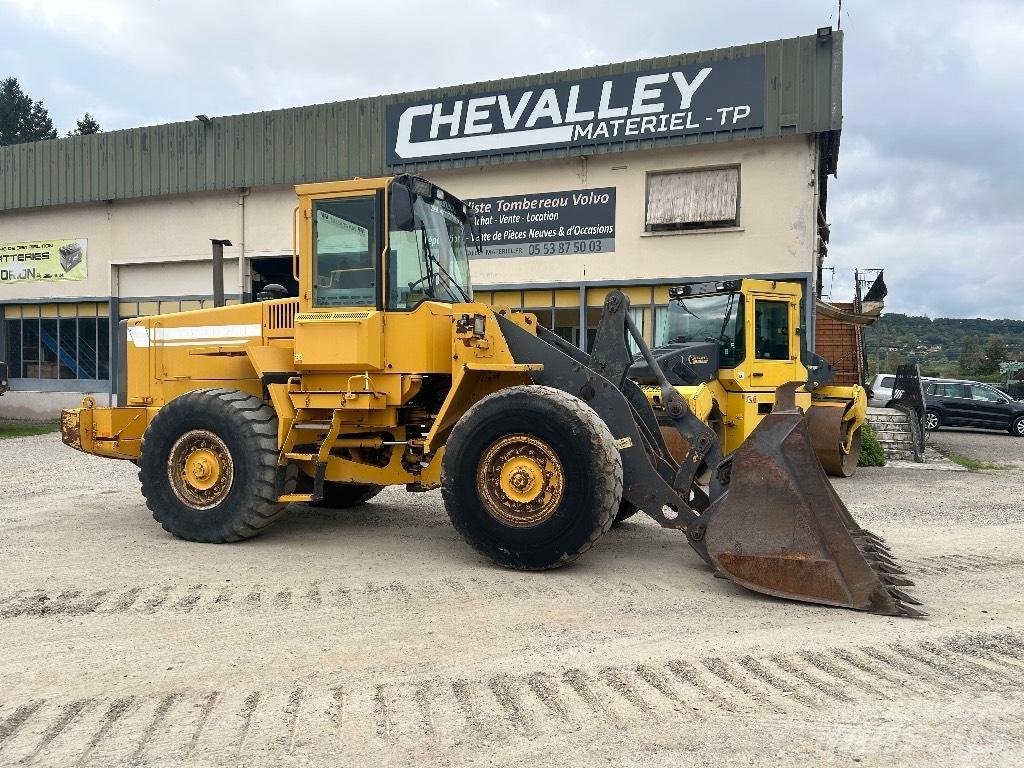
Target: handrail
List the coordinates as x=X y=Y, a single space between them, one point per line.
x=295 y=247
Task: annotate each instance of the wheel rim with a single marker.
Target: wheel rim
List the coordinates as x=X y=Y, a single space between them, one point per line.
x=931 y=421
x=520 y=480
x=200 y=469
x=1020 y=426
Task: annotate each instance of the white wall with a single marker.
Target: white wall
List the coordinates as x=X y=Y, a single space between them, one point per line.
x=28 y=405
x=776 y=232
x=777 y=213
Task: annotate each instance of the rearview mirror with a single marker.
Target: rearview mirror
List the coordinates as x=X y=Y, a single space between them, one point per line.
x=402 y=217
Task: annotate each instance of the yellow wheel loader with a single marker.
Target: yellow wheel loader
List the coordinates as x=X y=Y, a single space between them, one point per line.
x=731 y=345
x=384 y=371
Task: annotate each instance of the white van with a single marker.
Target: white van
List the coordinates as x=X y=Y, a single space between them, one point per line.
x=881 y=389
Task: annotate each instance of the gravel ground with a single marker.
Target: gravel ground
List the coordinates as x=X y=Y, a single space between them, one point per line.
x=981 y=445
x=376 y=637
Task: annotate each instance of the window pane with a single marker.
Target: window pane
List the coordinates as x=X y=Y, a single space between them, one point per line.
x=701 y=318
x=545 y=316
x=771 y=330
x=48 y=367
x=566 y=324
x=87 y=347
x=693 y=199
x=345 y=251
x=407 y=270
x=985 y=393
x=30 y=348
x=67 y=350
x=14 y=349
x=103 y=349
x=888 y=381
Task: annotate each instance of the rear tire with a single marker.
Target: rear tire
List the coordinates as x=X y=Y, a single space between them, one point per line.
x=531 y=477
x=208 y=465
x=341 y=495
x=1017 y=427
x=932 y=420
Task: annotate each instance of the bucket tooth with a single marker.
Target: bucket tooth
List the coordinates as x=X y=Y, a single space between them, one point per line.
x=912 y=613
x=872 y=545
x=896 y=581
x=903 y=597
x=875 y=538
x=887 y=565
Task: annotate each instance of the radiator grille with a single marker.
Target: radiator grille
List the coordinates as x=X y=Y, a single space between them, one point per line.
x=282 y=316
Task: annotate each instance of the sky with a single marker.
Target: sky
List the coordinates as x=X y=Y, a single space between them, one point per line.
x=931 y=166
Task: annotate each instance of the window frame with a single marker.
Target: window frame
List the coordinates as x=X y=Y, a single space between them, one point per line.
x=307 y=283
x=683 y=227
x=758 y=303
x=1000 y=397
x=61 y=314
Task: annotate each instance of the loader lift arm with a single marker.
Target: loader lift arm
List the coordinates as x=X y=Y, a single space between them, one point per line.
x=780 y=529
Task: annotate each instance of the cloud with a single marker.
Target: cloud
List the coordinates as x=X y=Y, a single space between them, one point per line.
x=930 y=171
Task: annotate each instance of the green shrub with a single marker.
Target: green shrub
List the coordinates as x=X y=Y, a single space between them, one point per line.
x=871 y=452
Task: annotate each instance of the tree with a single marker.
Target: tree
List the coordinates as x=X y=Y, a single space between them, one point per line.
x=970 y=356
x=893 y=361
x=86 y=126
x=22 y=119
x=995 y=353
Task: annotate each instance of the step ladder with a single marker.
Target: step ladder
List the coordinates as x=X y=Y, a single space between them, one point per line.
x=288 y=454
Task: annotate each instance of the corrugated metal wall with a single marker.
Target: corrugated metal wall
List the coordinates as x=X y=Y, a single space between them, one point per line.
x=344 y=139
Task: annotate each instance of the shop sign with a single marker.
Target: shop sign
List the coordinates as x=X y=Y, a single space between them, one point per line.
x=579 y=221
x=45 y=260
x=689 y=99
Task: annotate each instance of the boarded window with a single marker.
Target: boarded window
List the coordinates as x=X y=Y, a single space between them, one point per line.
x=693 y=199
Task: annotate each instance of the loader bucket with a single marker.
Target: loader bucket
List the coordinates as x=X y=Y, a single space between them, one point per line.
x=782 y=530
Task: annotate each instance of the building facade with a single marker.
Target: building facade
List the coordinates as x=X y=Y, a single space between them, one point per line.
x=635 y=175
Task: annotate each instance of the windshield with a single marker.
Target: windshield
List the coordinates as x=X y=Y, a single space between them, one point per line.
x=430 y=261
x=706 y=318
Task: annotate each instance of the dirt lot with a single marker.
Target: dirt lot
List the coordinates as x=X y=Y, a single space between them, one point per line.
x=376 y=637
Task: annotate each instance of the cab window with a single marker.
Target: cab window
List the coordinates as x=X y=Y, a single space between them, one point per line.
x=771 y=330
x=950 y=390
x=986 y=394
x=345 y=251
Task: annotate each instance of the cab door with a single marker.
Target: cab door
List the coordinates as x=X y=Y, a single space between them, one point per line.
x=772 y=339
x=340 y=323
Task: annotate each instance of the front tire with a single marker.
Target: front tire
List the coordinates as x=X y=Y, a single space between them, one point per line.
x=208 y=465
x=1017 y=427
x=932 y=420
x=531 y=477
x=626 y=510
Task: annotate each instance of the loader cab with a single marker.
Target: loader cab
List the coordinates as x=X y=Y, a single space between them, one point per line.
x=386 y=244
x=375 y=258
x=753 y=323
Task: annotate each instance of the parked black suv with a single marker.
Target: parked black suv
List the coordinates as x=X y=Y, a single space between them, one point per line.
x=952 y=403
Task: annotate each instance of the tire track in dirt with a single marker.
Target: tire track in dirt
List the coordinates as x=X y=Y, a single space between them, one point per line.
x=383 y=716
x=257 y=598
x=939 y=565
x=159 y=599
